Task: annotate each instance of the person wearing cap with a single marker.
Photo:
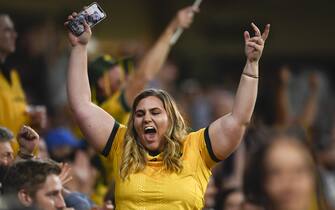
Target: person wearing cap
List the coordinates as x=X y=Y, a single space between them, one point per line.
x=114 y=89
x=61 y=144
x=107 y=75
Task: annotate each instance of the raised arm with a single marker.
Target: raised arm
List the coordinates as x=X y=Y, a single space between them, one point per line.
x=310 y=109
x=226 y=132
x=95 y=123
x=156 y=56
x=283 y=115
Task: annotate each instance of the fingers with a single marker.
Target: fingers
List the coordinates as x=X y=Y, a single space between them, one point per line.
x=246 y=36
x=65 y=173
x=256 y=29
x=254 y=45
x=266 y=32
x=70 y=17
x=257 y=40
x=195 y=9
x=86 y=26
x=28 y=133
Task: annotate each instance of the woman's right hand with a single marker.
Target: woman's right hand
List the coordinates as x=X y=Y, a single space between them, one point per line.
x=83 y=38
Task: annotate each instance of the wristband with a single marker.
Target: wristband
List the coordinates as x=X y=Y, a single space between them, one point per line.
x=250 y=75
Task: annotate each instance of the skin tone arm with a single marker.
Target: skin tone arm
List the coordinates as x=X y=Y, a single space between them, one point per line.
x=226 y=132
x=283 y=117
x=310 y=109
x=156 y=56
x=95 y=123
x=28 y=140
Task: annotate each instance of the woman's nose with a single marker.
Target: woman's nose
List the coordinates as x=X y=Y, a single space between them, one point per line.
x=147 y=118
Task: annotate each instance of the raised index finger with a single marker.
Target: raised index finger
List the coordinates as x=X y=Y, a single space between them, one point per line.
x=256 y=29
x=266 y=32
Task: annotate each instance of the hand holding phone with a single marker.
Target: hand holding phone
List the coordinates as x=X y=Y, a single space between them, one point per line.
x=93 y=14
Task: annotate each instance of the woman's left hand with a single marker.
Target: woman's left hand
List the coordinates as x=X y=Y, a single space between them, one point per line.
x=254 y=45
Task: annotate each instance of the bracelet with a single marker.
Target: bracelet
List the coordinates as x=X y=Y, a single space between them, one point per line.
x=250 y=75
x=25 y=156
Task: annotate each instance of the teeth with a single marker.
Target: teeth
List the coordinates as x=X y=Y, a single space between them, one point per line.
x=148 y=128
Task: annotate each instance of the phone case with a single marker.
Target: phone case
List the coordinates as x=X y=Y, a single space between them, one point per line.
x=93 y=14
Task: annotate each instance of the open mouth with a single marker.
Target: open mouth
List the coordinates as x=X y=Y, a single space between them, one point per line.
x=149 y=130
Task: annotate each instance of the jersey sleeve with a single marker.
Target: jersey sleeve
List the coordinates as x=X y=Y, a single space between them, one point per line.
x=115 y=140
x=204 y=146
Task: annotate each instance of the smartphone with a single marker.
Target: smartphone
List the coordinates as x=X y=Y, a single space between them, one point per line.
x=93 y=14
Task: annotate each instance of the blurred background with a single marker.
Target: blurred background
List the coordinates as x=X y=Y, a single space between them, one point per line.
x=296 y=70
x=212 y=49
x=301 y=33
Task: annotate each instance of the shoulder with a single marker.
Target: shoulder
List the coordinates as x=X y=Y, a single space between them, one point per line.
x=115 y=140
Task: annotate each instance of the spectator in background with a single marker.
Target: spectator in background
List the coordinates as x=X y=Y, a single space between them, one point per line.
x=14 y=109
x=6 y=152
x=114 y=90
x=210 y=195
x=166 y=78
x=326 y=157
x=282 y=175
x=230 y=199
x=10 y=203
x=35 y=183
x=62 y=144
x=194 y=103
x=27 y=139
x=308 y=110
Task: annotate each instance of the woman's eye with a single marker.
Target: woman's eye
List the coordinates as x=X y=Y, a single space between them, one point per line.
x=139 y=114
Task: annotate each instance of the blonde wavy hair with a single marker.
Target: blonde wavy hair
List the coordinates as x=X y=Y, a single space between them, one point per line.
x=134 y=154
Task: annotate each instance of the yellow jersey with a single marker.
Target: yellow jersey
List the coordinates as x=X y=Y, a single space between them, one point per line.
x=13 y=104
x=154 y=188
x=117 y=106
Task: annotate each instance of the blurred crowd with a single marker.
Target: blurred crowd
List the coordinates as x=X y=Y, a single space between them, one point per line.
x=286 y=160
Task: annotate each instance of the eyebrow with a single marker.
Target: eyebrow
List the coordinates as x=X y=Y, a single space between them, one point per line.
x=152 y=109
x=54 y=192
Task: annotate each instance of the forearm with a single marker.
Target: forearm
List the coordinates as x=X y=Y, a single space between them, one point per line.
x=246 y=95
x=156 y=56
x=282 y=106
x=78 y=88
x=307 y=117
x=150 y=64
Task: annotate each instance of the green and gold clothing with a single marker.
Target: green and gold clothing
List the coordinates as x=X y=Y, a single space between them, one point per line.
x=154 y=188
x=13 y=104
x=117 y=106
